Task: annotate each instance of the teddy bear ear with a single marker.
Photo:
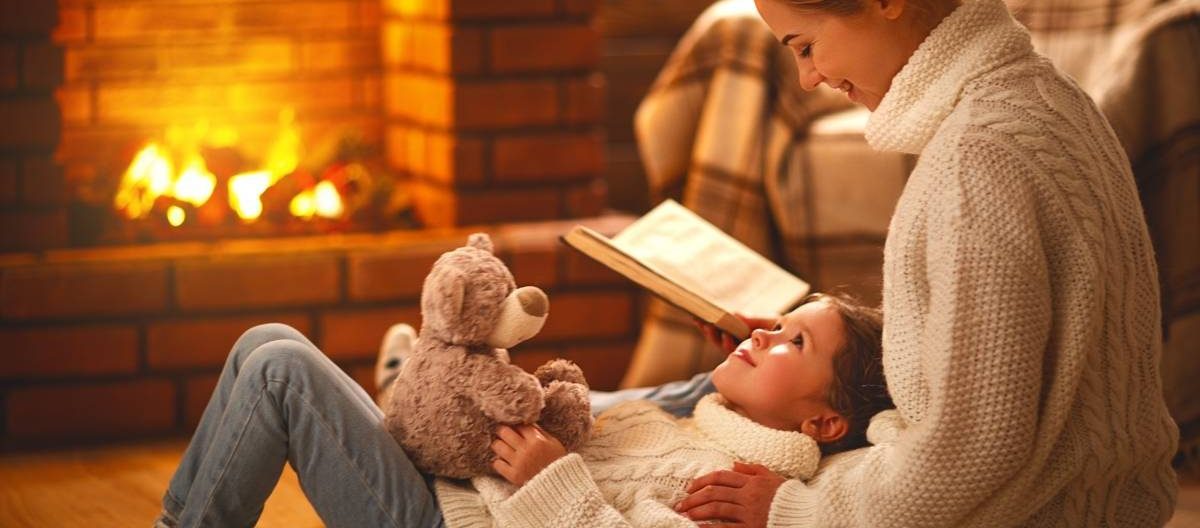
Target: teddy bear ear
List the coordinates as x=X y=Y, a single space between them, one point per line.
x=481 y=241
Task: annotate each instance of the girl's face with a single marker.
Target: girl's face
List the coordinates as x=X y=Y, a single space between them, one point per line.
x=858 y=53
x=781 y=378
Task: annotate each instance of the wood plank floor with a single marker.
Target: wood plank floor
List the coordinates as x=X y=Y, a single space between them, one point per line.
x=122 y=485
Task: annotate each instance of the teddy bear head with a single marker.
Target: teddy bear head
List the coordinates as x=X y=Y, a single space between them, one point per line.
x=471 y=299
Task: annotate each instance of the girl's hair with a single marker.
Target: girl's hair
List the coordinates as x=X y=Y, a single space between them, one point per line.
x=858 y=390
x=833 y=7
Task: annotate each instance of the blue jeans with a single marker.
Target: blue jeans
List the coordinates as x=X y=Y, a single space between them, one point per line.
x=279 y=399
x=677 y=397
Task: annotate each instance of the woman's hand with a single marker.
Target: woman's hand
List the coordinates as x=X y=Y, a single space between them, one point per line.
x=523 y=451
x=741 y=497
x=727 y=342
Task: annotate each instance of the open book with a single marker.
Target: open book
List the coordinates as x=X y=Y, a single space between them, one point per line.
x=692 y=264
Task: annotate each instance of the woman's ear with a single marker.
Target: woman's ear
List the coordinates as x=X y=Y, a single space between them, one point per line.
x=826 y=427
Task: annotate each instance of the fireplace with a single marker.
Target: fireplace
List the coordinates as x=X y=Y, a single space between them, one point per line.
x=184 y=169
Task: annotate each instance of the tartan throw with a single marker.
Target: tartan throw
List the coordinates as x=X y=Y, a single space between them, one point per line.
x=727 y=131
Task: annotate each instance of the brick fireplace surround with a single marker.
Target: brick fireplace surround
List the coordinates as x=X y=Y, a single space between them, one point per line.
x=492 y=110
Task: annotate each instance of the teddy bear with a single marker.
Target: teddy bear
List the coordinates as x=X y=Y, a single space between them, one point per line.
x=458 y=384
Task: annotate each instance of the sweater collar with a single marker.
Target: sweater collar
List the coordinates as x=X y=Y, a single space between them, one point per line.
x=789 y=453
x=976 y=38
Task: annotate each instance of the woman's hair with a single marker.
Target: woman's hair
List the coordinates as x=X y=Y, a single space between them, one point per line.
x=858 y=390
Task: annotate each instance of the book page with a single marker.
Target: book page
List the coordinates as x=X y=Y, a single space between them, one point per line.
x=679 y=244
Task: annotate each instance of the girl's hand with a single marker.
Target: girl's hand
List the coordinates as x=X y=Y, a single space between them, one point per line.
x=726 y=342
x=523 y=451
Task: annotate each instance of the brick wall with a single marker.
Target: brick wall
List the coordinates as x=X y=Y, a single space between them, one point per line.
x=492 y=108
x=128 y=342
x=131 y=69
x=33 y=213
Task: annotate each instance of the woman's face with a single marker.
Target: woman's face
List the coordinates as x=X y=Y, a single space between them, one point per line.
x=858 y=53
x=781 y=378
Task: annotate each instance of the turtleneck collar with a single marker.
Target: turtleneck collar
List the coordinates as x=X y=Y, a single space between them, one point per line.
x=976 y=38
x=789 y=453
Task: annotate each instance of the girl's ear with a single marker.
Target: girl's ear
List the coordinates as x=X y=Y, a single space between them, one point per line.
x=826 y=427
x=890 y=9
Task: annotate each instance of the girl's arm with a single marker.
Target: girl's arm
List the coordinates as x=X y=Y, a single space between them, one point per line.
x=556 y=488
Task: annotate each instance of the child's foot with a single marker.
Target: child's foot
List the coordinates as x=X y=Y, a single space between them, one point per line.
x=399 y=340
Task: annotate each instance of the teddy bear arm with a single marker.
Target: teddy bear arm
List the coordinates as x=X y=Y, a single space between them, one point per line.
x=507 y=394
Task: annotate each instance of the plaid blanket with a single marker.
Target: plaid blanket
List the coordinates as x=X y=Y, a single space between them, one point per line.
x=727 y=130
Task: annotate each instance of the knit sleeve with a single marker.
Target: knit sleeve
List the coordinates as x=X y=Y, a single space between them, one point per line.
x=563 y=494
x=982 y=344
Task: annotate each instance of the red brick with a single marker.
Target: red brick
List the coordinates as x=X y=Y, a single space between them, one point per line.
x=23 y=17
x=588 y=199
x=10 y=73
x=440 y=206
x=489 y=9
x=424 y=99
x=101 y=410
x=447 y=158
x=501 y=104
x=83 y=290
x=42 y=65
x=147 y=103
x=254 y=281
x=192 y=343
x=258 y=56
x=114 y=21
x=575 y=315
x=439 y=48
x=72 y=24
x=563 y=156
x=347 y=335
x=42 y=182
x=364 y=376
x=32 y=229
x=10 y=181
x=529 y=358
x=38 y=119
x=582 y=269
x=544 y=48
x=584 y=102
x=74 y=351
x=579 y=7
x=75 y=104
x=534 y=267
x=393 y=274
x=339 y=55
x=603 y=364
x=197 y=391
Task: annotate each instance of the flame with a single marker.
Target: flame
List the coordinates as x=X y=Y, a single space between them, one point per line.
x=322 y=200
x=245 y=193
x=152 y=174
x=176 y=216
x=147 y=178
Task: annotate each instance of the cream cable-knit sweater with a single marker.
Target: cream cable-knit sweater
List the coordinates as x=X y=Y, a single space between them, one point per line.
x=1021 y=335
x=632 y=471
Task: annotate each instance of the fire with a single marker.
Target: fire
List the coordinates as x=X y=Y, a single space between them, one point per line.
x=178 y=172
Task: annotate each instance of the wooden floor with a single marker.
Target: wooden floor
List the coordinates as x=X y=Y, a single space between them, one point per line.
x=122 y=486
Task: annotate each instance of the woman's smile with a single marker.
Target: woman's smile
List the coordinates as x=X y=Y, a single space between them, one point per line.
x=744 y=355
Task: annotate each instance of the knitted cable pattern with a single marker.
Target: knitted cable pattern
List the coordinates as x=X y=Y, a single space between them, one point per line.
x=632 y=472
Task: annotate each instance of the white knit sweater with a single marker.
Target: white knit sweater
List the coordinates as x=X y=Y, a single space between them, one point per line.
x=1021 y=335
x=632 y=471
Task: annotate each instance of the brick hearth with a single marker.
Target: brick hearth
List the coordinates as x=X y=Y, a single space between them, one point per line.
x=127 y=341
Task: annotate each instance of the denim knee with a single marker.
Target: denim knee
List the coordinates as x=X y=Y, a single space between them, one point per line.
x=280 y=359
x=260 y=335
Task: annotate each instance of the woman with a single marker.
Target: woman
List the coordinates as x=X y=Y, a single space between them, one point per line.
x=1022 y=333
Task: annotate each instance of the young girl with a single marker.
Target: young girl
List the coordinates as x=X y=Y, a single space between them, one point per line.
x=786 y=395
x=783 y=397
